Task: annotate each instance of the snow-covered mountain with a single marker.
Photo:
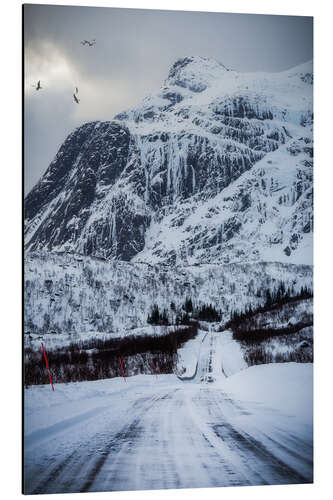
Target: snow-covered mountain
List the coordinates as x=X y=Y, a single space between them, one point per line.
x=216 y=167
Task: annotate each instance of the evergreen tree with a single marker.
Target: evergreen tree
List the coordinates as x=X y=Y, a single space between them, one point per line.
x=164 y=320
x=268 y=297
x=208 y=313
x=154 y=317
x=188 y=305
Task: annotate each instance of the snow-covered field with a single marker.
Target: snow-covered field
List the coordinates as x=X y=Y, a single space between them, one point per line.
x=148 y=432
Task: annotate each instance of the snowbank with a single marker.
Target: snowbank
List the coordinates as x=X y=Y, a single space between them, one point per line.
x=287 y=387
x=188 y=356
x=231 y=354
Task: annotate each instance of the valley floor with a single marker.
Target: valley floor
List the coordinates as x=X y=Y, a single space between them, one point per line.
x=208 y=427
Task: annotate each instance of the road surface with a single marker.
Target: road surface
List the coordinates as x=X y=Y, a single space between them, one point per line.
x=166 y=433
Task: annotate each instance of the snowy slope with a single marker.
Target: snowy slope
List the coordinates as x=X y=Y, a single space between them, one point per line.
x=215 y=167
x=284 y=386
x=231 y=354
x=72 y=294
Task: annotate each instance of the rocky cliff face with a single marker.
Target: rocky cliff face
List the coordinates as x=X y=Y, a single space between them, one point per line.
x=215 y=167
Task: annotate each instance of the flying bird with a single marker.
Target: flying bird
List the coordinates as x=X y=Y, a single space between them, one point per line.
x=91 y=43
x=38 y=86
x=76 y=99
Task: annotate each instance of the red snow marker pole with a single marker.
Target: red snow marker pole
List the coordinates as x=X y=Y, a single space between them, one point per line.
x=154 y=369
x=122 y=369
x=47 y=366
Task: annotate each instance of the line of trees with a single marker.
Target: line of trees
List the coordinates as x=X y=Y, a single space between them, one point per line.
x=253 y=335
x=184 y=316
x=273 y=299
x=208 y=313
x=99 y=358
x=258 y=354
x=158 y=318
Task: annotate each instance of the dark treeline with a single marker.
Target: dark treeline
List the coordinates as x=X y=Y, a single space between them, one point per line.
x=273 y=300
x=254 y=328
x=260 y=334
x=207 y=313
x=158 y=318
x=188 y=313
x=98 y=359
x=257 y=354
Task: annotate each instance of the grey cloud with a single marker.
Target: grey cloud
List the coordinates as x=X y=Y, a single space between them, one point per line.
x=134 y=51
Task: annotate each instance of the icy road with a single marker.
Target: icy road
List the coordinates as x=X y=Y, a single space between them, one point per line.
x=164 y=432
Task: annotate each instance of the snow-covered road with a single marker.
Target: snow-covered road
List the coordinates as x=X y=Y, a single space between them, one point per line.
x=159 y=432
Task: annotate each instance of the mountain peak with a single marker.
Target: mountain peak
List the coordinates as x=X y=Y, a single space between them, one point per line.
x=188 y=176
x=195 y=72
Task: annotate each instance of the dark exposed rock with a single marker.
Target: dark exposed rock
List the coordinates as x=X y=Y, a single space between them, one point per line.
x=111 y=180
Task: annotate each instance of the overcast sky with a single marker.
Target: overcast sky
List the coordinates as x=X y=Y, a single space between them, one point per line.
x=133 y=53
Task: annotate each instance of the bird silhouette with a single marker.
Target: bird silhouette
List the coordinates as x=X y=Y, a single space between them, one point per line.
x=76 y=99
x=90 y=43
x=38 y=86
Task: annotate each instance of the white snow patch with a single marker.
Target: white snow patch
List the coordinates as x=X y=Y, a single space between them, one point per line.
x=231 y=354
x=287 y=387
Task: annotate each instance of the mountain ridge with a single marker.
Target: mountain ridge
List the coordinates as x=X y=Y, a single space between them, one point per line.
x=216 y=166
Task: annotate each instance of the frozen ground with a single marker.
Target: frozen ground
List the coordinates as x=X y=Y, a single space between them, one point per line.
x=254 y=427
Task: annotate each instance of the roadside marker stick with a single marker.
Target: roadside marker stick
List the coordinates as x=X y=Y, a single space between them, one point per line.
x=154 y=369
x=47 y=366
x=122 y=369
